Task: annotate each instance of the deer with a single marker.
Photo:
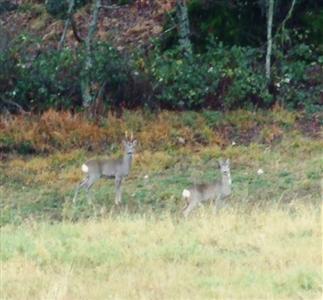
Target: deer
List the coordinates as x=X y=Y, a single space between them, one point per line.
x=116 y=169
x=214 y=191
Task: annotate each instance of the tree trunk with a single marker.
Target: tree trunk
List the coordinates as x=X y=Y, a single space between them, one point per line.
x=270 y=14
x=71 y=4
x=4 y=39
x=87 y=94
x=183 y=27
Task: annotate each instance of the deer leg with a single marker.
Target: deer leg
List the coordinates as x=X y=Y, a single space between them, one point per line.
x=218 y=204
x=89 y=183
x=189 y=208
x=82 y=184
x=118 y=182
x=187 y=202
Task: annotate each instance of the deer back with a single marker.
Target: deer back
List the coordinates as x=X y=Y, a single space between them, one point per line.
x=205 y=191
x=103 y=167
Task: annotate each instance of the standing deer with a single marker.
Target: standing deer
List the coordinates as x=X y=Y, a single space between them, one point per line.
x=109 y=168
x=216 y=191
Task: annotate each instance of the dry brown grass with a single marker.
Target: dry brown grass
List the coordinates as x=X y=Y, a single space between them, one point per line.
x=63 y=131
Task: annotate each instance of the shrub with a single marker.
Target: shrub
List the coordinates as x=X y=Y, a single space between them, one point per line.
x=53 y=130
x=221 y=77
x=298 y=77
x=112 y=70
x=51 y=80
x=43 y=79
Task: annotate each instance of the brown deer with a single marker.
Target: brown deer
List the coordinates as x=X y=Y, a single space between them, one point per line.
x=217 y=190
x=117 y=169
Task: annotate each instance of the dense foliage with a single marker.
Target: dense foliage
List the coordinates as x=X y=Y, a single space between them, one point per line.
x=243 y=23
x=51 y=78
x=224 y=72
x=222 y=77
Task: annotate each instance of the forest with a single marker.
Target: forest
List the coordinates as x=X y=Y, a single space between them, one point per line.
x=161 y=149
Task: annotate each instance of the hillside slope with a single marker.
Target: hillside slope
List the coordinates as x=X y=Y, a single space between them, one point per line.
x=124 y=26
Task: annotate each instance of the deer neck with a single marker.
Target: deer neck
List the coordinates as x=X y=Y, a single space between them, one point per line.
x=126 y=161
x=226 y=182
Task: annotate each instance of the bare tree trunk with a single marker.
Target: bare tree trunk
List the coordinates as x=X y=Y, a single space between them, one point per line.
x=71 y=4
x=270 y=14
x=183 y=27
x=87 y=94
x=289 y=14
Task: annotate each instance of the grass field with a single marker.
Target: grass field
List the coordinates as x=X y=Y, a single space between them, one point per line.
x=266 y=245
x=262 y=255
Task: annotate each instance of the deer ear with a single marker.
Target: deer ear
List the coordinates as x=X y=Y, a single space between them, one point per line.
x=124 y=143
x=134 y=142
x=220 y=161
x=228 y=161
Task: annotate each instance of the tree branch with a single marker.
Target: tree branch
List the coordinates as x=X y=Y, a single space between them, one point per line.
x=71 y=5
x=288 y=16
x=12 y=103
x=62 y=40
x=109 y=6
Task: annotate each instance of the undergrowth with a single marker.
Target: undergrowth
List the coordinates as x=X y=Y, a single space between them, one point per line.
x=63 y=131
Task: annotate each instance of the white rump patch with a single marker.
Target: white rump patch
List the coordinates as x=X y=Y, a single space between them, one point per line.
x=85 y=168
x=186 y=193
x=260 y=171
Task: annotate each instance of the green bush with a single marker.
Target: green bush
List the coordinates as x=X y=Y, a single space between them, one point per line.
x=8 y=71
x=181 y=81
x=51 y=80
x=110 y=69
x=109 y=65
x=297 y=76
x=221 y=77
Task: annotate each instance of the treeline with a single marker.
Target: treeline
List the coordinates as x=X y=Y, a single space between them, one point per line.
x=225 y=70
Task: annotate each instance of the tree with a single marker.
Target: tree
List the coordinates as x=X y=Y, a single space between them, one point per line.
x=270 y=14
x=87 y=94
x=183 y=27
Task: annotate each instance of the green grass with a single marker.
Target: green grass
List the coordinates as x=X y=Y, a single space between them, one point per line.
x=262 y=255
x=42 y=187
x=266 y=245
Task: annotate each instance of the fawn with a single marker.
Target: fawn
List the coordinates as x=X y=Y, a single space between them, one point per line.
x=216 y=191
x=109 y=168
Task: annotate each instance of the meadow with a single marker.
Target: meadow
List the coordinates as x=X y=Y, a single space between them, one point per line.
x=266 y=245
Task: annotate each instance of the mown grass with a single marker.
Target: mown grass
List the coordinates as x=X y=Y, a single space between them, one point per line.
x=267 y=244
